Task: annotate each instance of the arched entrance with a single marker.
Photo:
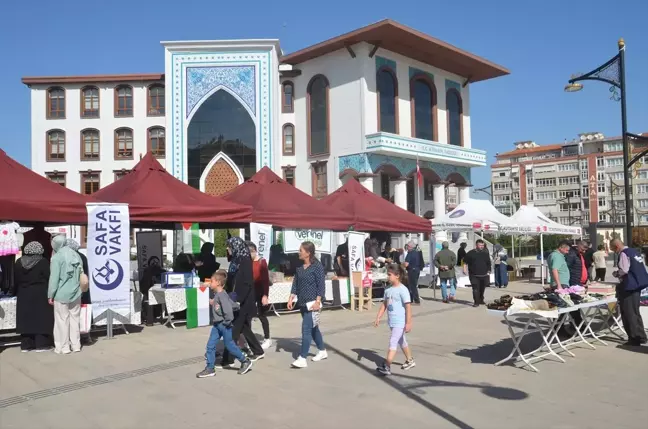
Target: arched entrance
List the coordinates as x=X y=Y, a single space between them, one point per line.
x=221 y=144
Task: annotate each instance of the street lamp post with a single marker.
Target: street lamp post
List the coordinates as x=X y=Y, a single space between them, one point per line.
x=613 y=73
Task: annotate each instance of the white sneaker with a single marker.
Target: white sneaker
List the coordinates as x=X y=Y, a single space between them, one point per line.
x=300 y=362
x=266 y=344
x=321 y=355
x=62 y=352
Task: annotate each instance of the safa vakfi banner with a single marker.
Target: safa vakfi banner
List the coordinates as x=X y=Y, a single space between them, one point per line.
x=109 y=258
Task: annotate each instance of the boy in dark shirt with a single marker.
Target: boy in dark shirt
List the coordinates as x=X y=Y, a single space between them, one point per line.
x=223 y=315
x=478 y=263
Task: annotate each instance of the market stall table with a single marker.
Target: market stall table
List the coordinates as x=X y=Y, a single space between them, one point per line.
x=337 y=292
x=172 y=300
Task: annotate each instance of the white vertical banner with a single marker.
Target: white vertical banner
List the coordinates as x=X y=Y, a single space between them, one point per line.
x=356 y=251
x=261 y=235
x=108 y=255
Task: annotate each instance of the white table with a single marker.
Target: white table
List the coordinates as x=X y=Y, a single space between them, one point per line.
x=8 y=313
x=551 y=341
x=279 y=293
x=172 y=300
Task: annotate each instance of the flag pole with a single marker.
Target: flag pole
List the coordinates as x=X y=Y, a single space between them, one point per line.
x=418 y=187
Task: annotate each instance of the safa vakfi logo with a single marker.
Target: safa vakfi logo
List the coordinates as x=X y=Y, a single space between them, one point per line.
x=108 y=238
x=457 y=213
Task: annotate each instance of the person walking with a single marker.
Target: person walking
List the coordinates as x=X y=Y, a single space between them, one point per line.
x=64 y=293
x=34 y=316
x=261 y=291
x=600 y=266
x=461 y=254
x=445 y=261
x=633 y=277
x=500 y=257
x=240 y=285
x=477 y=265
x=414 y=264
x=309 y=288
x=397 y=304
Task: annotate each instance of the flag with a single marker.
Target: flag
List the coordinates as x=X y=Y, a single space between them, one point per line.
x=419 y=176
x=190 y=238
x=197 y=306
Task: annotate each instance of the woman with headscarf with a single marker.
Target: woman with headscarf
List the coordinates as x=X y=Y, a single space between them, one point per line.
x=206 y=263
x=240 y=286
x=64 y=294
x=34 y=317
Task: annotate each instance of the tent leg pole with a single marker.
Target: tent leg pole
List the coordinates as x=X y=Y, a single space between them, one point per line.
x=542 y=259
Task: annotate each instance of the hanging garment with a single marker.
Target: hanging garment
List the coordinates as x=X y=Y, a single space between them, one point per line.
x=9 y=239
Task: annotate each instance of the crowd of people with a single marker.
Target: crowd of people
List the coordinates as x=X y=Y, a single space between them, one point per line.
x=50 y=284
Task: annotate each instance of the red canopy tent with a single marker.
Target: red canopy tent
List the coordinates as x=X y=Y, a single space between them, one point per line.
x=156 y=197
x=28 y=197
x=370 y=212
x=276 y=202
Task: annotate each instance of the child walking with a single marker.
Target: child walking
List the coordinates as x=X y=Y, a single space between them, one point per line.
x=398 y=304
x=223 y=314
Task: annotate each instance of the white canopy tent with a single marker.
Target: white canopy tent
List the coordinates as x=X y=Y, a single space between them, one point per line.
x=474 y=215
x=531 y=221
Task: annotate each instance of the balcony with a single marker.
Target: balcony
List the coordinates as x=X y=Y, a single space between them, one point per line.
x=392 y=144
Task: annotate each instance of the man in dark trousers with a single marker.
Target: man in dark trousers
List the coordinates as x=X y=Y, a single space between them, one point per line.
x=633 y=278
x=477 y=265
x=414 y=264
x=577 y=265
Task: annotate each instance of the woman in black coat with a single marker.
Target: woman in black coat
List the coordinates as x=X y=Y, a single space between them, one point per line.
x=34 y=315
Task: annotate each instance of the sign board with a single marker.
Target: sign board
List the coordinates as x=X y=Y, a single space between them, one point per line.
x=293 y=238
x=109 y=258
x=356 y=252
x=261 y=235
x=149 y=250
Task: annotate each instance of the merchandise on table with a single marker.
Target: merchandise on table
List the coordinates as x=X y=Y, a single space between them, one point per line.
x=568 y=297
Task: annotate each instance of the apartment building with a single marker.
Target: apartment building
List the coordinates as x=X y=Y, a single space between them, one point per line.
x=573 y=183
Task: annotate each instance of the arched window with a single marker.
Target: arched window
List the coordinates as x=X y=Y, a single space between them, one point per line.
x=90 y=102
x=156 y=142
x=56 y=145
x=89 y=145
x=387 y=87
x=289 y=139
x=287 y=98
x=454 y=109
x=318 y=116
x=124 y=100
x=56 y=103
x=123 y=143
x=423 y=102
x=155 y=100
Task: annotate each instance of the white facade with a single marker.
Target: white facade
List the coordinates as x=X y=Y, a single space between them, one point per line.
x=208 y=82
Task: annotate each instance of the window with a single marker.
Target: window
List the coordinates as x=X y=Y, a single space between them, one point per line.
x=585 y=216
x=288 y=97
x=502 y=198
x=585 y=190
x=583 y=164
x=571 y=180
x=600 y=162
x=89 y=182
x=620 y=218
x=502 y=174
x=642 y=189
x=318 y=116
x=121 y=173
x=600 y=176
x=423 y=103
x=642 y=204
x=613 y=147
x=56 y=103
x=643 y=174
x=89 y=145
x=569 y=194
x=618 y=190
x=545 y=183
x=288 y=139
x=124 y=143
x=454 y=110
x=602 y=202
x=603 y=217
x=289 y=174
x=387 y=88
x=155 y=104
x=567 y=167
x=156 y=142
x=643 y=218
x=516 y=196
x=529 y=195
x=501 y=186
x=614 y=162
x=570 y=207
x=583 y=174
x=56 y=145
x=124 y=100
x=56 y=177
x=545 y=196
x=618 y=205
x=601 y=188
x=320 y=180
x=617 y=176
x=529 y=177
x=90 y=102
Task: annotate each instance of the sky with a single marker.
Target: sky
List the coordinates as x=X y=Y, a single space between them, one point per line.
x=541 y=42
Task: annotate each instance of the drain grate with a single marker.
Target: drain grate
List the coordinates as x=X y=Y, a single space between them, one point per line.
x=41 y=394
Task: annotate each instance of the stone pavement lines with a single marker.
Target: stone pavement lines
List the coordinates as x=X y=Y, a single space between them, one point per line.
x=40 y=394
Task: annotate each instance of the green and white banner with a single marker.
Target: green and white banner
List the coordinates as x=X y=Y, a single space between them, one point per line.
x=190 y=238
x=197 y=306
